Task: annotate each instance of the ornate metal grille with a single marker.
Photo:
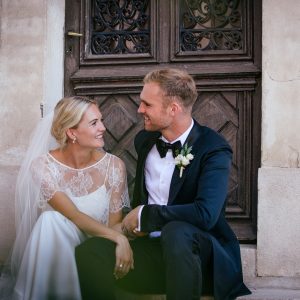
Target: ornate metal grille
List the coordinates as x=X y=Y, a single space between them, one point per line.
x=210 y=25
x=120 y=26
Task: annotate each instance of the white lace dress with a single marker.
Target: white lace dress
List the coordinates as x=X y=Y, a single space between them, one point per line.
x=48 y=268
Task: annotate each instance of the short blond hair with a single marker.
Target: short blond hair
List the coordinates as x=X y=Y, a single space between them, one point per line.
x=175 y=83
x=68 y=113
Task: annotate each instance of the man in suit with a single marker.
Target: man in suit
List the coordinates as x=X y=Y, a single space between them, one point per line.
x=182 y=243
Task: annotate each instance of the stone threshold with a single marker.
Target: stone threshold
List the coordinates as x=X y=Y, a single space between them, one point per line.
x=257 y=294
x=270 y=294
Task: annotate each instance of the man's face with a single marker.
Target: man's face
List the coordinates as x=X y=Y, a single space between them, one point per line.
x=154 y=109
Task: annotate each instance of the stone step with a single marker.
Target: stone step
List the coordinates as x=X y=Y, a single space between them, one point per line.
x=272 y=294
x=257 y=294
x=122 y=295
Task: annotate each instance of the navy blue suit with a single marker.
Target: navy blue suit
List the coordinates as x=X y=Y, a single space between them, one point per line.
x=197 y=198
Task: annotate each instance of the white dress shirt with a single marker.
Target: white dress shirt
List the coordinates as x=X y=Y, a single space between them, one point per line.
x=158 y=174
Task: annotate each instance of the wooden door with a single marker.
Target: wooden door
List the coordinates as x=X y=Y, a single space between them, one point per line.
x=218 y=42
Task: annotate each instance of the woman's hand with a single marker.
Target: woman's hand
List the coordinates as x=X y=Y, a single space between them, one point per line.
x=124 y=257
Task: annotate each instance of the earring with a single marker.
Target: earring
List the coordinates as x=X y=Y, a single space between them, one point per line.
x=74 y=140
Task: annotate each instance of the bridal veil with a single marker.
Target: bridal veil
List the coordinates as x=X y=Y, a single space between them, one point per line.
x=27 y=200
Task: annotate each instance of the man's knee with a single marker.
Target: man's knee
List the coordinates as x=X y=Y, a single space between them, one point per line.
x=177 y=238
x=181 y=238
x=178 y=231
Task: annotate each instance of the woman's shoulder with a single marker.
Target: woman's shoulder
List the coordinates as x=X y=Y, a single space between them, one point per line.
x=40 y=166
x=115 y=160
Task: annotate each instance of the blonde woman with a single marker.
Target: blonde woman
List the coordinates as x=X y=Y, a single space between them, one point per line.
x=65 y=195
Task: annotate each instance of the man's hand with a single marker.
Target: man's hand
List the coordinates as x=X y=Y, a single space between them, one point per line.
x=130 y=224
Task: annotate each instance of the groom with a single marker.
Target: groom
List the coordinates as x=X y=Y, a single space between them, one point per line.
x=183 y=245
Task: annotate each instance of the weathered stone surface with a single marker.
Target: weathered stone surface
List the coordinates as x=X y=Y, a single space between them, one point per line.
x=278 y=237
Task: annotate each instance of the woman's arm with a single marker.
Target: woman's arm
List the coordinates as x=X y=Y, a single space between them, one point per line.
x=119 y=197
x=115 y=220
x=61 y=203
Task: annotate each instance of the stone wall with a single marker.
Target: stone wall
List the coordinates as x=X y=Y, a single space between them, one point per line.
x=278 y=245
x=31 y=60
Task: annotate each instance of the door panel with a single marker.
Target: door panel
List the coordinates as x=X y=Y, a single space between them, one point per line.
x=213 y=40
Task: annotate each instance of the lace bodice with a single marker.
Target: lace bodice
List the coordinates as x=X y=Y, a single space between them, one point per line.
x=96 y=190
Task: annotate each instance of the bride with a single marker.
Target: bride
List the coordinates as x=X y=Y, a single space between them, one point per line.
x=64 y=196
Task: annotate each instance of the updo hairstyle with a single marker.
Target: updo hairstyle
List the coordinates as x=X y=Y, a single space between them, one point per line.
x=68 y=113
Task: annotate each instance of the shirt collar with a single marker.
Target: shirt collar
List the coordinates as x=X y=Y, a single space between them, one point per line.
x=183 y=137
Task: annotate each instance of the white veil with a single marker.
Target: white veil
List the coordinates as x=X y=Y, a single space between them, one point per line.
x=27 y=199
x=28 y=192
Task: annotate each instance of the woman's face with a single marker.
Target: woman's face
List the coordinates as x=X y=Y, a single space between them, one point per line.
x=90 y=130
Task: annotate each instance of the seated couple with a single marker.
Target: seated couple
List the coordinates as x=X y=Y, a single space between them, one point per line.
x=72 y=240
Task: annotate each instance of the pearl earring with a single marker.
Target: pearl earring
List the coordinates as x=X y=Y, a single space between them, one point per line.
x=74 y=140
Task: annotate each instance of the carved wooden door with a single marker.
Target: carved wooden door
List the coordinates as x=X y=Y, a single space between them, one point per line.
x=216 y=41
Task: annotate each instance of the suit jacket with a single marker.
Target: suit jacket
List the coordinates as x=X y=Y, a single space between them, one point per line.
x=198 y=197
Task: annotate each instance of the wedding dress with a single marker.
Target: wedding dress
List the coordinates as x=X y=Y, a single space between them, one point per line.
x=48 y=268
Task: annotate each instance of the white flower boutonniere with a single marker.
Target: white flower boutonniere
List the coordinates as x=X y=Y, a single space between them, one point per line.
x=183 y=158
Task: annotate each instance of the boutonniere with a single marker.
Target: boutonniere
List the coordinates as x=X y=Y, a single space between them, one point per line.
x=183 y=158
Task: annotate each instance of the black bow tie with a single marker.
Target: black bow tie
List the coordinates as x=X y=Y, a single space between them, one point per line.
x=163 y=147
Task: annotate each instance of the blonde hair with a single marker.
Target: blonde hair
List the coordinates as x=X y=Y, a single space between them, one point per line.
x=175 y=83
x=68 y=113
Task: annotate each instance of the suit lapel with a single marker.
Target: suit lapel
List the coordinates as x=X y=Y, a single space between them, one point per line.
x=176 y=181
x=140 y=174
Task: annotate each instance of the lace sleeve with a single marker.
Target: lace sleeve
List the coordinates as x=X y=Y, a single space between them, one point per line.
x=45 y=178
x=117 y=181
